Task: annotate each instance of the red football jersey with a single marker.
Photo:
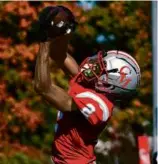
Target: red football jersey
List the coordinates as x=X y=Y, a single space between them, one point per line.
x=77 y=132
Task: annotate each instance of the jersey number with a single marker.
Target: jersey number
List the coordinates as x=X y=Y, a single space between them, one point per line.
x=88 y=110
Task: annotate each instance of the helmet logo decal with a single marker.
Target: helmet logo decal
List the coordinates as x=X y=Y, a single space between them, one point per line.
x=123 y=78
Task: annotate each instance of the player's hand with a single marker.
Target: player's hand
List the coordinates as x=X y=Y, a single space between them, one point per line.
x=57 y=21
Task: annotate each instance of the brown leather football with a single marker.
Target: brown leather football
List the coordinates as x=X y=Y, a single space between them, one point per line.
x=57 y=21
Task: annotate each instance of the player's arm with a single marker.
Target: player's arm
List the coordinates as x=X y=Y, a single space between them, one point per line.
x=59 y=23
x=58 y=53
x=43 y=84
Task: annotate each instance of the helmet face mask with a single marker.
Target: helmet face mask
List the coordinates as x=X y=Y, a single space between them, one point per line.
x=113 y=72
x=93 y=67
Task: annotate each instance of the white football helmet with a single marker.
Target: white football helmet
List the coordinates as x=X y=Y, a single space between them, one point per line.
x=113 y=72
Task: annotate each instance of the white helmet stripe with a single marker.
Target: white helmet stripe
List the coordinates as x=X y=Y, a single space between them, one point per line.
x=125 y=54
x=96 y=98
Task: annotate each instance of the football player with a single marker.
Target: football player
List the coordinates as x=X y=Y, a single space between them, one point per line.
x=83 y=110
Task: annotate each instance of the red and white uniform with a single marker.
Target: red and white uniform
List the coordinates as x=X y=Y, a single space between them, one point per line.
x=77 y=132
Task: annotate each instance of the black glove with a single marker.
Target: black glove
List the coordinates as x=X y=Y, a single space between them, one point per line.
x=56 y=21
